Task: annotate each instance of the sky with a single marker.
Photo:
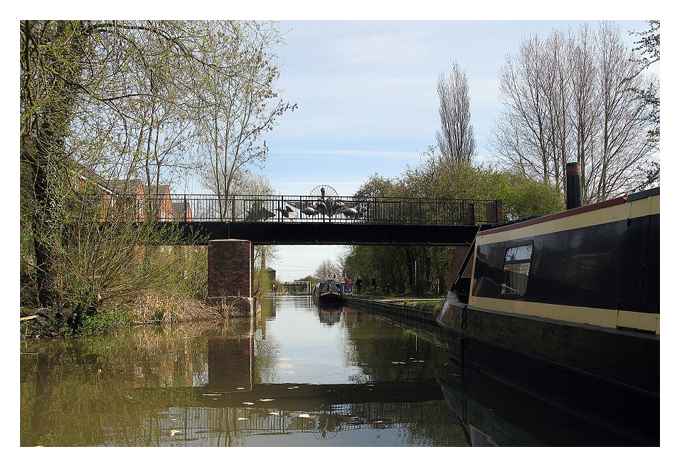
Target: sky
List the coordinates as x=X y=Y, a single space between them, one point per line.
x=367 y=101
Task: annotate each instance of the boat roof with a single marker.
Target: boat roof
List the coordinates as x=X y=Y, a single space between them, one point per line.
x=572 y=212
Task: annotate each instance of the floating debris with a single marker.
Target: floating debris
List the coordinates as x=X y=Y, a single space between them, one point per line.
x=398 y=363
x=175 y=432
x=240 y=388
x=248 y=403
x=266 y=400
x=293 y=387
x=242 y=419
x=304 y=415
x=274 y=413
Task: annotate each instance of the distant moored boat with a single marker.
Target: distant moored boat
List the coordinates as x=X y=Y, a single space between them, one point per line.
x=328 y=292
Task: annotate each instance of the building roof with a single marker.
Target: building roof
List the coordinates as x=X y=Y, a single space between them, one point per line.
x=120 y=186
x=124 y=186
x=157 y=189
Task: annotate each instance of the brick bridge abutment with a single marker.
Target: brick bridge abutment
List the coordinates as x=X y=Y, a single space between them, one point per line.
x=230 y=272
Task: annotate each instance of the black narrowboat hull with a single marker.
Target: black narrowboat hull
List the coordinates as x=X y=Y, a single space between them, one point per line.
x=619 y=357
x=494 y=412
x=627 y=358
x=613 y=377
x=329 y=298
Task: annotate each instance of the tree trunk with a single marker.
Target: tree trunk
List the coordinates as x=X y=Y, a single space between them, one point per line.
x=43 y=142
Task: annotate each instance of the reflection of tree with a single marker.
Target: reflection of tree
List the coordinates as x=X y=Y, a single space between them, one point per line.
x=267 y=309
x=266 y=355
x=387 y=352
x=80 y=392
x=266 y=349
x=440 y=428
x=127 y=389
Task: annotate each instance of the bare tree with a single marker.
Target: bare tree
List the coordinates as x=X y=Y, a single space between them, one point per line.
x=328 y=270
x=648 y=46
x=623 y=137
x=648 y=49
x=583 y=116
x=455 y=138
x=522 y=134
x=238 y=108
x=571 y=97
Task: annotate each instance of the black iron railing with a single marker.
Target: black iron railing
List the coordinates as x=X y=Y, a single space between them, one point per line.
x=302 y=209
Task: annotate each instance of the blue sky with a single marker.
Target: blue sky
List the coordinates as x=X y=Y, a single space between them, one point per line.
x=367 y=101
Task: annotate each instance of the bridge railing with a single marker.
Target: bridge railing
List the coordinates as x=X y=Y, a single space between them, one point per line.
x=304 y=209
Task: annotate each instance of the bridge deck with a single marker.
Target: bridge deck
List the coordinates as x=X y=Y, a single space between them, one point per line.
x=330 y=233
x=294 y=396
x=286 y=219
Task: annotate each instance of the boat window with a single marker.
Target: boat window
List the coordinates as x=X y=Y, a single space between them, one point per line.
x=518 y=253
x=516 y=270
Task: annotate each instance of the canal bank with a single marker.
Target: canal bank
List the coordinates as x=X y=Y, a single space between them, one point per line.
x=422 y=310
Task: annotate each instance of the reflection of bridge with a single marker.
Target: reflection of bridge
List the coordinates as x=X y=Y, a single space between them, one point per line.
x=226 y=426
x=286 y=219
x=290 y=396
x=207 y=416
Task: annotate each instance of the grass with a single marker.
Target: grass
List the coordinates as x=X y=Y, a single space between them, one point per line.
x=105 y=321
x=157 y=308
x=430 y=305
x=148 y=308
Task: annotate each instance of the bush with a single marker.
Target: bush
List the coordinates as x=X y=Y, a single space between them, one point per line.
x=394 y=266
x=105 y=321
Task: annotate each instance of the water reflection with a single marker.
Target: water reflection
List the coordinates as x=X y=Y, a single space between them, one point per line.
x=292 y=375
x=330 y=315
x=494 y=413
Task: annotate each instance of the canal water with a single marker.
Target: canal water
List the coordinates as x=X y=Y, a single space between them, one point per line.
x=293 y=375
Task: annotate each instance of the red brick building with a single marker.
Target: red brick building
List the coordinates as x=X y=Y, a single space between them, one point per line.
x=132 y=197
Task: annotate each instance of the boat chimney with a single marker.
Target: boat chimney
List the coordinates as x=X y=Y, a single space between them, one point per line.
x=573 y=185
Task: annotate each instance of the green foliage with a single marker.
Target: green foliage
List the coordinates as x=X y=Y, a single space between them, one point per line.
x=521 y=196
x=420 y=271
x=378 y=185
x=88 y=89
x=107 y=268
x=105 y=321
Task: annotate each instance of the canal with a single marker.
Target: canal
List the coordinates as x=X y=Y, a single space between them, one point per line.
x=293 y=375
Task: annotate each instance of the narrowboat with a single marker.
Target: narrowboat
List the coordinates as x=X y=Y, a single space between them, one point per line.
x=576 y=292
x=492 y=413
x=328 y=292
